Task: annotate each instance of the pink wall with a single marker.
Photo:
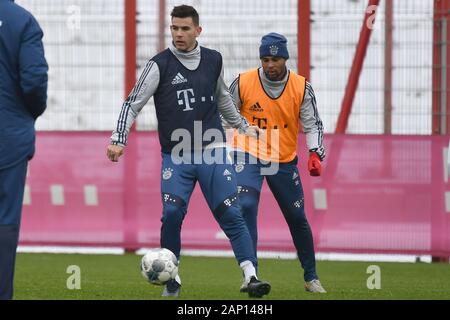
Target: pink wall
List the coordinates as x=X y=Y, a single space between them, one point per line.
x=381 y=194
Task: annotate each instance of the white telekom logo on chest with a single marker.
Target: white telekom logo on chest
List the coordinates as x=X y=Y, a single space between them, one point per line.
x=186 y=100
x=186 y=97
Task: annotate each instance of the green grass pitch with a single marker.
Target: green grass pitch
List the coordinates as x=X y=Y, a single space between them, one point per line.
x=44 y=276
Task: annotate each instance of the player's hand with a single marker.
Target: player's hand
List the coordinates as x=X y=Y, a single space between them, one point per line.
x=252 y=131
x=314 y=165
x=114 y=152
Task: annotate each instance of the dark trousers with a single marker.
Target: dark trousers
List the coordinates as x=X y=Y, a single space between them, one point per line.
x=218 y=185
x=287 y=189
x=12 y=183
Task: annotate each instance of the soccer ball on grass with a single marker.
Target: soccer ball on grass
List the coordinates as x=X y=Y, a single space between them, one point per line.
x=159 y=266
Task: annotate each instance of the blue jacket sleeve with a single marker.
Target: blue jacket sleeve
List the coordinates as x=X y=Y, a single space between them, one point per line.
x=33 y=69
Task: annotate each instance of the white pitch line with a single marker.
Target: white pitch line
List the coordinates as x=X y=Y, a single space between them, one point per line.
x=332 y=256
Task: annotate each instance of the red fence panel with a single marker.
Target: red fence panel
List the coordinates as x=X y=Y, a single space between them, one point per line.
x=380 y=194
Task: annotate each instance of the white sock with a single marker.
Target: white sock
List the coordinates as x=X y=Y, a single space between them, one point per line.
x=249 y=270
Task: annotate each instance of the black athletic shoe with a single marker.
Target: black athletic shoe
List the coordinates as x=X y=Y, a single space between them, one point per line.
x=172 y=289
x=257 y=288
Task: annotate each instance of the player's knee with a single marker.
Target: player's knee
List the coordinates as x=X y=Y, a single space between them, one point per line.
x=232 y=222
x=297 y=217
x=231 y=215
x=249 y=205
x=172 y=215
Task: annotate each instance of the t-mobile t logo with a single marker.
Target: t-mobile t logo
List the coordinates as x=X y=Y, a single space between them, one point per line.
x=185 y=99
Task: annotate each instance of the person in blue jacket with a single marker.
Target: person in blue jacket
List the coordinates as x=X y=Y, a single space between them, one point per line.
x=23 y=98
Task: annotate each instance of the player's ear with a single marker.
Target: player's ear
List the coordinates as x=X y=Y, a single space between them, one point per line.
x=198 y=31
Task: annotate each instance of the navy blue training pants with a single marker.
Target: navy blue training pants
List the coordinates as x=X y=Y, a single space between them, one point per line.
x=218 y=185
x=12 y=184
x=287 y=189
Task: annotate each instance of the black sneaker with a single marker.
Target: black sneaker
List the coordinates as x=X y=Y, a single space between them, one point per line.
x=257 y=288
x=172 y=289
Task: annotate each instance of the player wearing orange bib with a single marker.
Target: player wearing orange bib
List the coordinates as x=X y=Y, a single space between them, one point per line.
x=275 y=98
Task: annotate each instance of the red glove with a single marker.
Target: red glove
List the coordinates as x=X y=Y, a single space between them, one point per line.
x=314 y=165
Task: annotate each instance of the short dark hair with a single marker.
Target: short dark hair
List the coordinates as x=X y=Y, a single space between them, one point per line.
x=185 y=11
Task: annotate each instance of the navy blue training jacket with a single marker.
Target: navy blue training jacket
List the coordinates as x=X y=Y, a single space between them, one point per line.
x=23 y=82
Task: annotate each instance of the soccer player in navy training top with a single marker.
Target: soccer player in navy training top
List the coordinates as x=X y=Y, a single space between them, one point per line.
x=187 y=83
x=23 y=98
